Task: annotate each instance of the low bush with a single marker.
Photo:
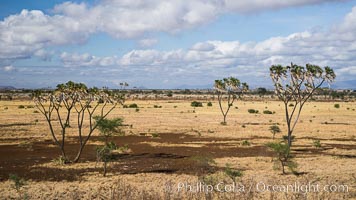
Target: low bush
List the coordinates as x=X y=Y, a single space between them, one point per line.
x=18 y=184
x=133 y=105
x=268 y=112
x=317 y=144
x=284 y=158
x=252 y=111
x=337 y=105
x=155 y=135
x=232 y=173
x=196 y=104
x=209 y=104
x=245 y=143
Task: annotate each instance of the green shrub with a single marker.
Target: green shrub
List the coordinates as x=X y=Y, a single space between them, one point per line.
x=107 y=128
x=285 y=137
x=204 y=162
x=268 y=112
x=155 y=135
x=317 y=144
x=231 y=173
x=36 y=111
x=252 y=111
x=30 y=106
x=105 y=154
x=274 y=129
x=133 y=105
x=284 y=158
x=337 y=105
x=21 y=106
x=169 y=93
x=60 y=160
x=245 y=143
x=157 y=106
x=137 y=109
x=123 y=149
x=209 y=104
x=196 y=104
x=291 y=105
x=18 y=184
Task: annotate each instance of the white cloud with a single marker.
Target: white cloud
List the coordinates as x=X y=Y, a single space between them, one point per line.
x=148 y=42
x=334 y=47
x=23 y=34
x=28 y=33
x=74 y=60
x=9 y=68
x=262 y=5
x=128 y=19
x=43 y=55
x=347 y=71
x=203 y=46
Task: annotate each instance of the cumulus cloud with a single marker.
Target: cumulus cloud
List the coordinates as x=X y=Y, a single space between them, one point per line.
x=44 y=55
x=335 y=47
x=128 y=19
x=30 y=33
x=203 y=46
x=75 y=60
x=26 y=34
x=148 y=42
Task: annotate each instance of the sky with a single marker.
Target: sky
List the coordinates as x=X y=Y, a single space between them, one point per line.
x=171 y=44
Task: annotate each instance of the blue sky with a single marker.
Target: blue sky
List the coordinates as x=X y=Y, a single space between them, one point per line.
x=169 y=44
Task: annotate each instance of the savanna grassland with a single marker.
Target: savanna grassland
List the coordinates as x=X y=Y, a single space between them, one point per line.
x=168 y=142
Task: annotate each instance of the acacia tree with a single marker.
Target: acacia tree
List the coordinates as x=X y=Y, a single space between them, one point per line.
x=274 y=129
x=233 y=88
x=75 y=99
x=107 y=128
x=296 y=84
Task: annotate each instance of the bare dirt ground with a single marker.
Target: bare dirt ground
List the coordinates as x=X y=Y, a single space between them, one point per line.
x=169 y=146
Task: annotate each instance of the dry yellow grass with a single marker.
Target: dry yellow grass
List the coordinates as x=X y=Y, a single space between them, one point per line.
x=319 y=120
